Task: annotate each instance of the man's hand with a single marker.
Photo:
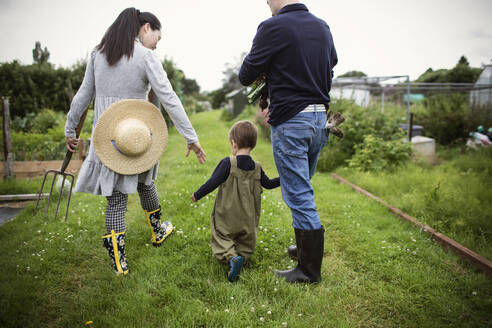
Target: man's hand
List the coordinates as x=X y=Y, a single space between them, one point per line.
x=193 y=197
x=264 y=114
x=199 y=152
x=72 y=143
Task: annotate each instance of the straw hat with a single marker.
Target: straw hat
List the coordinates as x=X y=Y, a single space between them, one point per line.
x=130 y=136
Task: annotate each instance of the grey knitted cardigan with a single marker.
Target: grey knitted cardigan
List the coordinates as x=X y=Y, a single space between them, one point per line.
x=127 y=79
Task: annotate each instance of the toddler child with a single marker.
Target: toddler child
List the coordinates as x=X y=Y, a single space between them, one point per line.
x=236 y=213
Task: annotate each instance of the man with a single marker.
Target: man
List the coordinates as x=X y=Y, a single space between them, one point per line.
x=294 y=50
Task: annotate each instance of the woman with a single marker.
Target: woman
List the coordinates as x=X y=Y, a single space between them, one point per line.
x=121 y=67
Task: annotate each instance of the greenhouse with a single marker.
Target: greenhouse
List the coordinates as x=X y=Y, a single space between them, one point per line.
x=482 y=93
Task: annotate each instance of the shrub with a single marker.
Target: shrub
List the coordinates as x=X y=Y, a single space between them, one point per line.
x=359 y=123
x=46 y=119
x=378 y=154
x=32 y=87
x=24 y=123
x=444 y=117
x=191 y=105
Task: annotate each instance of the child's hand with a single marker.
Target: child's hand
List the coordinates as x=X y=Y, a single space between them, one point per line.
x=193 y=197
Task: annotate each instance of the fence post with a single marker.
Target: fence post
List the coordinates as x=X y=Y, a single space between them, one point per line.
x=7 y=141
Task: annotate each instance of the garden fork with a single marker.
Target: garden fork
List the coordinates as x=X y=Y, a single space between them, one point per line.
x=62 y=173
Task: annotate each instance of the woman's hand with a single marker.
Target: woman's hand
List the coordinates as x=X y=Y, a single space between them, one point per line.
x=199 y=152
x=72 y=143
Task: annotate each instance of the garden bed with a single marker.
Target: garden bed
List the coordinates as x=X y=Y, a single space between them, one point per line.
x=31 y=169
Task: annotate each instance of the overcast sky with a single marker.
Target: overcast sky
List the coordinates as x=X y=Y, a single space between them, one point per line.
x=378 y=37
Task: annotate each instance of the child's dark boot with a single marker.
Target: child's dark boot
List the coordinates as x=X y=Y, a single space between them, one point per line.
x=235 y=265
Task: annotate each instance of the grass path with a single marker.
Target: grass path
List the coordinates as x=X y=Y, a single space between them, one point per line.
x=377 y=270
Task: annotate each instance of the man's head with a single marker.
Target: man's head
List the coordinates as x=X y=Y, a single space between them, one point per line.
x=276 y=5
x=243 y=135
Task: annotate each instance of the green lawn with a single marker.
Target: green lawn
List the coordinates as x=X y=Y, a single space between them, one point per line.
x=377 y=271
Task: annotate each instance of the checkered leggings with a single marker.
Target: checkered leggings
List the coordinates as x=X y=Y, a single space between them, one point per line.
x=117 y=202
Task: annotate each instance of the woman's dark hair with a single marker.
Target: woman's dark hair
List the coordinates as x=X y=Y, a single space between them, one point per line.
x=119 y=39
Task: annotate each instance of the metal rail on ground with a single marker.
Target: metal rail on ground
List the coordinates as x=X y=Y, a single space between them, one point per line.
x=467 y=254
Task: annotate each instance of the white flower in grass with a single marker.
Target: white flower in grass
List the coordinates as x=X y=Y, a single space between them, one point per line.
x=263 y=305
x=383 y=242
x=232 y=297
x=474 y=293
x=226 y=310
x=284 y=324
x=275 y=289
x=266 y=249
x=414 y=253
x=269 y=312
x=206 y=310
x=252 y=309
x=262 y=319
x=198 y=228
x=299 y=315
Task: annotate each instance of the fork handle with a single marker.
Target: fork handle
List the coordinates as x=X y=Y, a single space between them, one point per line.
x=69 y=154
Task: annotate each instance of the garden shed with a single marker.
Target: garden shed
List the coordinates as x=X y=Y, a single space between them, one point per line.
x=236 y=101
x=482 y=95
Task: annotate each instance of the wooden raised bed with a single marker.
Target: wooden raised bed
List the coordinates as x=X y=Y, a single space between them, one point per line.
x=37 y=168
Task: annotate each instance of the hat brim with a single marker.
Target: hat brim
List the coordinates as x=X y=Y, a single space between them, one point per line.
x=104 y=132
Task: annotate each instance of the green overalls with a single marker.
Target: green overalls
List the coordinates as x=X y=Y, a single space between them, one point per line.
x=236 y=213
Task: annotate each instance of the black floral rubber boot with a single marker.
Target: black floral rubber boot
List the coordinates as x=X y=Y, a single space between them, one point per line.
x=160 y=231
x=115 y=244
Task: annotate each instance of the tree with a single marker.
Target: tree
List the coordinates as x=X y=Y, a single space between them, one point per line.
x=40 y=56
x=353 y=74
x=463 y=61
x=461 y=73
x=190 y=86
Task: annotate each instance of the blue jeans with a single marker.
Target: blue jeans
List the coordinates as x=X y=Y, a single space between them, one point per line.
x=296 y=147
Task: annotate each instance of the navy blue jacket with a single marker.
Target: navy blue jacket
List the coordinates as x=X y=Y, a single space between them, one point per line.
x=295 y=51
